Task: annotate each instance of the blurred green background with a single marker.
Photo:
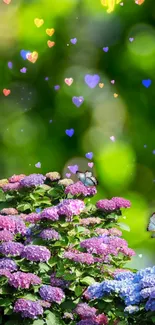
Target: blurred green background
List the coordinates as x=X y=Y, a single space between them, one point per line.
x=34 y=117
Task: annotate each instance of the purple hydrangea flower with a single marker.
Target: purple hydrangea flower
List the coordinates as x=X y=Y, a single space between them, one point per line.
x=121 y=202
x=148 y=292
x=20 y=226
x=70 y=208
x=33 y=217
x=51 y=294
x=79 y=188
x=11 y=248
x=32 y=180
x=4 y=272
x=148 y=281
x=50 y=213
x=49 y=234
x=86 y=322
x=106 y=205
x=79 y=257
x=85 y=311
x=94 y=245
x=36 y=253
x=7 y=224
x=8 y=263
x=28 y=308
x=57 y=282
x=24 y=280
x=11 y=187
x=127 y=251
x=150 y=305
x=6 y=235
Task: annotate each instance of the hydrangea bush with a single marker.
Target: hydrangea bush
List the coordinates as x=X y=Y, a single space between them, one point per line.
x=62 y=258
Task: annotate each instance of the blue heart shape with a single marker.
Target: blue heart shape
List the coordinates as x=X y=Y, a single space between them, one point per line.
x=146 y=83
x=70 y=132
x=92 y=81
x=24 y=53
x=89 y=155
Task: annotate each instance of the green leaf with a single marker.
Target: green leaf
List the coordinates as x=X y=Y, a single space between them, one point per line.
x=69 y=277
x=24 y=207
x=153 y=319
x=68 y=305
x=5 y=302
x=107 y=299
x=88 y=280
x=38 y=241
x=38 y=322
x=55 y=193
x=52 y=261
x=29 y=296
x=78 y=290
x=2 y=196
x=8 y=310
x=52 y=319
x=80 y=229
x=122 y=322
x=43 y=267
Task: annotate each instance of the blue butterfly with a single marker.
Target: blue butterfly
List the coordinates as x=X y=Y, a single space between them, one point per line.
x=87 y=178
x=151 y=225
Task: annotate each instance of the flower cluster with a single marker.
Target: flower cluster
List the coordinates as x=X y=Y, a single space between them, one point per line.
x=79 y=188
x=51 y=294
x=70 y=207
x=53 y=243
x=6 y=235
x=90 y=221
x=32 y=180
x=28 y=308
x=49 y=234
x=50 y=213
x=11 y=248
x=36 y=253
x=58 y=282
x=8 y=264
x=79 y=257
x=115 y=203
x=133 y=288
x=106 y=245
x=89 y=315
x=23 y=280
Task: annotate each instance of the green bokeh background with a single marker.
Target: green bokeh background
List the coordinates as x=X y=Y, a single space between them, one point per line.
x=125 y=167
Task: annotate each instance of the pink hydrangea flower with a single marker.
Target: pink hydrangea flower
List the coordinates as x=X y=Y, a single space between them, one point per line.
x=106 y=205
x=9 y=211
x=6 y=235
x=23 y=280
x=79 y=188
x=121 y=202
x=16 y=178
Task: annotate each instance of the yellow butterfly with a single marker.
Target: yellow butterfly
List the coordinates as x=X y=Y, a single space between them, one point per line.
x=110 y=4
